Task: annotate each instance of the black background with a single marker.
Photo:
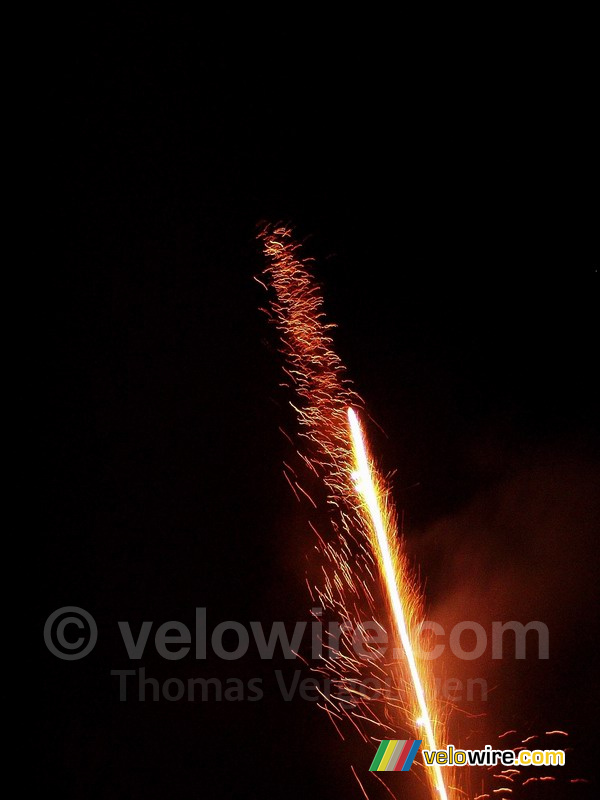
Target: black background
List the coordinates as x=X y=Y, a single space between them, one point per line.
x=450 y=206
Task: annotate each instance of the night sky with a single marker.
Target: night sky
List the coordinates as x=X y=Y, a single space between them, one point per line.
x=452 y=213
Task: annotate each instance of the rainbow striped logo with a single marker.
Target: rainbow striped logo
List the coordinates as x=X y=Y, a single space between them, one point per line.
x=395 y=755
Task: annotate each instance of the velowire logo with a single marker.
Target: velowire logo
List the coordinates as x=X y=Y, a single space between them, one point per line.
x=395 y=755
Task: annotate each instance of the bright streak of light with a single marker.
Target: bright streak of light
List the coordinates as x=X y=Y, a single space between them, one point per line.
x=346 y=578
x=366 y=486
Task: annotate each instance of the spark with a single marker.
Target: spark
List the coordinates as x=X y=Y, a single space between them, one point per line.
x=363 y=572
x=506 y=733
x=366 y=485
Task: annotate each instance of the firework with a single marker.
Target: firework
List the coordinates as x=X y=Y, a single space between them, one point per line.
x=365 y=573
x=366 y=484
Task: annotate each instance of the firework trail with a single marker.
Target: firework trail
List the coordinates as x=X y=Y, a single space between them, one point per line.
x=365 y=573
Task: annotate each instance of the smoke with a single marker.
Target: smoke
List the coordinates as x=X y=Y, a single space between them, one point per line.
x=524 y=549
